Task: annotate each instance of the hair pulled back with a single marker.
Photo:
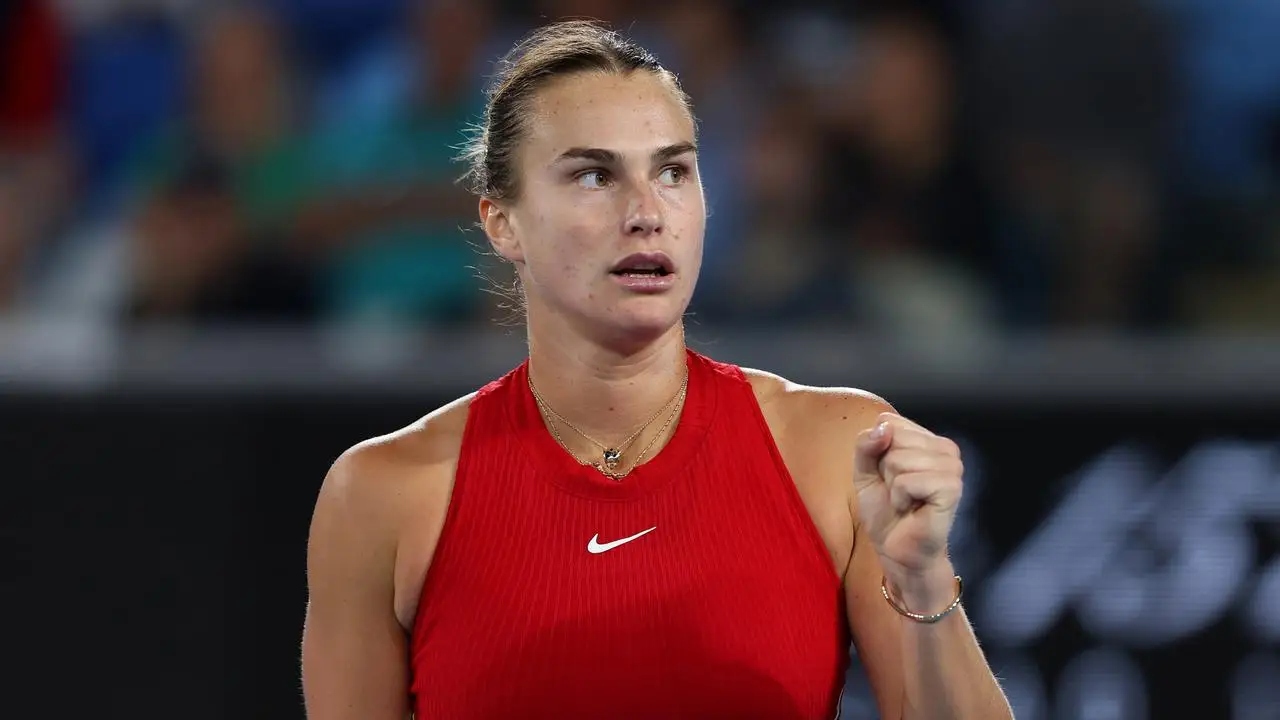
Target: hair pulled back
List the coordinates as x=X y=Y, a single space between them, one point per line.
x=547 y=54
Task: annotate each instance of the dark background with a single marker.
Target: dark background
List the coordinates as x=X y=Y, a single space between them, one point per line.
x=159 y=566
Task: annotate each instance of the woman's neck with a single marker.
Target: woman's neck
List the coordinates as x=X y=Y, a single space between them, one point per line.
x=603 y=393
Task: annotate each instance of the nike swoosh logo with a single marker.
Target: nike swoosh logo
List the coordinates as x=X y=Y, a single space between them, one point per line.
x=595 y=547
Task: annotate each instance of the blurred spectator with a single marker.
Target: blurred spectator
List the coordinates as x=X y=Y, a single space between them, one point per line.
x=36 y=189
x=32 y=72
x=35 y=163
x=241 y=110
x=1077 y=102
x=859 y=164
x=126 y=73
x=774 y=269
x=192 y=259
x=386 y=221
x=708 y=51
x=1229 y=153
x=1230 y=58
x=808 y=48
x=327 y=35
x=900 y=194
x=238 y=120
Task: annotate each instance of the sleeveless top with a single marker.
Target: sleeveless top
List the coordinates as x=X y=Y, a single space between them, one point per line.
x=695 y=587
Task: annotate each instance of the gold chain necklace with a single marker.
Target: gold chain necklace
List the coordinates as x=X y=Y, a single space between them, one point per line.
x=611 y=455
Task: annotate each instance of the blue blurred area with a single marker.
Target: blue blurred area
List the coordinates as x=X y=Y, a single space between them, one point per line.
x=1232 y=104
x=920 y=169
x=126 y=85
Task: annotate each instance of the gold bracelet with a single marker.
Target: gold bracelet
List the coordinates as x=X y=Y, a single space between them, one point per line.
x=929 y=619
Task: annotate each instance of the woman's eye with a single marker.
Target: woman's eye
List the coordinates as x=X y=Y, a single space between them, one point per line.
x=593 y=179
x=672 y=175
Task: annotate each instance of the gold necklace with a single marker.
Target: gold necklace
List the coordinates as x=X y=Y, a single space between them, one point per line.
x=611 y=455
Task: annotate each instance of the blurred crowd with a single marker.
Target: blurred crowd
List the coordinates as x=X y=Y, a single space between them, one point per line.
x=936 y=168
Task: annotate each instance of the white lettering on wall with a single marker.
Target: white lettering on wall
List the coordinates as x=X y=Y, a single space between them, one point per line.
x=1142 y=557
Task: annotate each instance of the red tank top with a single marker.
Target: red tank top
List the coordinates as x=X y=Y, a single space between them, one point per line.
x=723 y=603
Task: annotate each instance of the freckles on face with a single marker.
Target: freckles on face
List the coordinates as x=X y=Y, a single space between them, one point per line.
x=628 y=116
x=601 y=151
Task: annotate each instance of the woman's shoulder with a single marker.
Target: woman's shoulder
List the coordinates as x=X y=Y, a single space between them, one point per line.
x=815 y=427
x=385 y=500
x=428 y=444
x=814 y=404
x=375 y=480
x=424 y=452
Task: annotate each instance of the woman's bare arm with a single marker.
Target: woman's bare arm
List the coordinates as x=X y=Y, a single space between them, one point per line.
x=355 y=661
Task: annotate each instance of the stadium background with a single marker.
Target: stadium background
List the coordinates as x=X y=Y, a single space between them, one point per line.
x=231 y=246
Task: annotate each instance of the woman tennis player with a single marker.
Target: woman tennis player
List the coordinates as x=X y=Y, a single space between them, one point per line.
x=621 y=527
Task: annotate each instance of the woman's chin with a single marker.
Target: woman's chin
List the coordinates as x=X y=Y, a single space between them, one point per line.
x=644 y=321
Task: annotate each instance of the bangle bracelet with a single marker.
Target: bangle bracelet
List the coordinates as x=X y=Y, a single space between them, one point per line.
x=928 y=619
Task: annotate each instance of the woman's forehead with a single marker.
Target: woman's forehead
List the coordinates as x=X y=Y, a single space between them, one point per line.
x=629 y=114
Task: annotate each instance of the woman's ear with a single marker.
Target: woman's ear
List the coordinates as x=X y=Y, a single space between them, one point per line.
x=498 y=227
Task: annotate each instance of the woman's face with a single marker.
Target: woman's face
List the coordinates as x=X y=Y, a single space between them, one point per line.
x=607 y=229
